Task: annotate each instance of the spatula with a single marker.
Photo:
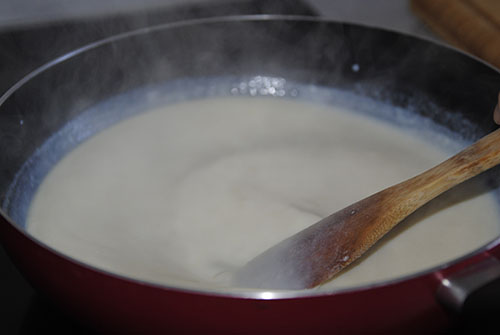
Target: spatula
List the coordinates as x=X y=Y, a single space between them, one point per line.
x=314 y=255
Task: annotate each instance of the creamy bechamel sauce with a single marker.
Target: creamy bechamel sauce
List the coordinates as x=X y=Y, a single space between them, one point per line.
x=187 y=193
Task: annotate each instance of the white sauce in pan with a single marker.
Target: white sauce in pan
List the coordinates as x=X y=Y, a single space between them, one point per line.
x=187 y=193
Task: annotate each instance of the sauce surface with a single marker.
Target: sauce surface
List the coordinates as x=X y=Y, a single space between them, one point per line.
x=187 y=193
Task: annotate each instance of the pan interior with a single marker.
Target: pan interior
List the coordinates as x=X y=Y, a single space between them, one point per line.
x=246 y=162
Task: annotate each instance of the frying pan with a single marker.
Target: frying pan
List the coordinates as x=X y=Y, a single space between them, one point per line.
x=440 y=84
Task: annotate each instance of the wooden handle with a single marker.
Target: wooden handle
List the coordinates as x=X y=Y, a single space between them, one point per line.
x=472 y=25
x=362 y=224
x=479 y=157
x=356 y=228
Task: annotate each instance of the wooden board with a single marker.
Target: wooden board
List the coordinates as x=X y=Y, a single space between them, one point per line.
x=472 y=25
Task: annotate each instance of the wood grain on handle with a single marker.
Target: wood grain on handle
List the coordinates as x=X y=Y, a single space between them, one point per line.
x=385 y=209
x=317 y=253
x=472 y=25
x=479 y=157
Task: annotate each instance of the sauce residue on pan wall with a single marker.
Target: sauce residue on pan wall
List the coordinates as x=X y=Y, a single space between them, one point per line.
x=186 y=193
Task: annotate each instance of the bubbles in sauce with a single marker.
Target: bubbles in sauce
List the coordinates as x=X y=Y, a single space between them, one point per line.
x=186 y=193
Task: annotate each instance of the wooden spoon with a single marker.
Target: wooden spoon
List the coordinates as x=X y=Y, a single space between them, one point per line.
x=318 y=252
